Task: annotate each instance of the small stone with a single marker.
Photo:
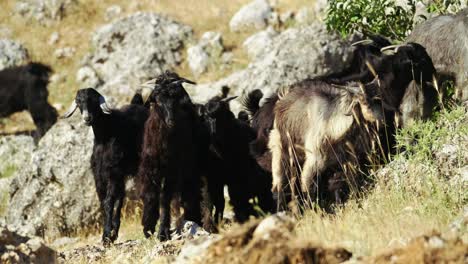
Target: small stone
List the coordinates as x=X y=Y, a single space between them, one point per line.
x=303 y=16
x=286 y=17
x=54 y=38
x=65 y=52
x=113 y=12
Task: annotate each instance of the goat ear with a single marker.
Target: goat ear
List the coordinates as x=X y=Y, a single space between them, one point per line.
x=70 y=110
x=229 y=99
x=105 y=108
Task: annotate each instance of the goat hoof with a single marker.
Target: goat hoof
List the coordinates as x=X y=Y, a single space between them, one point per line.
x=163 y=234
x=114 y=235
x=106 y=242
x=148 y=232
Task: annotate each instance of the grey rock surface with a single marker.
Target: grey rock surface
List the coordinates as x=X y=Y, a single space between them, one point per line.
x=205 y=53
x=87 y=77
x=254 y=15
x=134 y=49
x=445 y=39
x=12 y=54
x=53 y=194
x=296 y=54
x=17 y=248
x=45 y=11
x=259 y=42
x=15 y=152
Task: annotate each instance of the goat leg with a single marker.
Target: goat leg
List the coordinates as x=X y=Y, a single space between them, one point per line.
x=191 y=198
x=166 y=197
x=120 y=189
x=150 y=210
x=240 y=202
x=109 y=202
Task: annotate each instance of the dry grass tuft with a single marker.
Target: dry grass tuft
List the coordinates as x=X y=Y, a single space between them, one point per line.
x=416 y=193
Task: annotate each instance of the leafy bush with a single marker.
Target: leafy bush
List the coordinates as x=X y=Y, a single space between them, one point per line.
x=383 y=17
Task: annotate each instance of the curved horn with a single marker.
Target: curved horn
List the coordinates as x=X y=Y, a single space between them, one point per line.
x=102 y=103
x=389 y=47
x=229 y=99
x=183 y=80
x=70 y=110
x=149 y=84
x=364 y=41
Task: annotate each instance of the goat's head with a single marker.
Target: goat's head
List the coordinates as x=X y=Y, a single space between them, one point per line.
x=91 y=104
x=217 y=111
x=369 y=99
x=411 y=62
x=171 y=98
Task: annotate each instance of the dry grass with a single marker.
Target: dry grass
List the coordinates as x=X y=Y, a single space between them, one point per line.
x=77 y=27
x=411 y=199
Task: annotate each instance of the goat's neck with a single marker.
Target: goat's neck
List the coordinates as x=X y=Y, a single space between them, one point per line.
x=102 y=128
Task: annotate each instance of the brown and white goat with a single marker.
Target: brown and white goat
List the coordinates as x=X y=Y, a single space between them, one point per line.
x=318 y=126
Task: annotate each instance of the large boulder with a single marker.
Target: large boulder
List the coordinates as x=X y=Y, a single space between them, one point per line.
x=294 y=55
x=44 y=11
x=53 y=193
x=205 y=53
x=259 y=42
x=254 y=15
x=15 y=152
x=12 y=54
x=16 y=248
x=133 y=49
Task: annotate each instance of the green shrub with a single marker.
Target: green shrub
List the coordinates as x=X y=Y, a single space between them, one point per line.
x=383 y=17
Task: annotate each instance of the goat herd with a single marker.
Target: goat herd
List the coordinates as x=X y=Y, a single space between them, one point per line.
x=312 y=143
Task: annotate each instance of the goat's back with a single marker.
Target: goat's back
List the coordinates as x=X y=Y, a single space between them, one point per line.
x=21 y=84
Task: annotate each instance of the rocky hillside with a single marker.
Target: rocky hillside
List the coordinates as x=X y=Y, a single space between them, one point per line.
x=47 y=190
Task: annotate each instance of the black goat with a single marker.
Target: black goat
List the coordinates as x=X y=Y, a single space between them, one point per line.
x=25 y=88
x=230 y=139
x=116 y=151
x=169 y=158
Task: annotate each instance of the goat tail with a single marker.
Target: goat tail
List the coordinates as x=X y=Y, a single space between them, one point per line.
x=251 y=102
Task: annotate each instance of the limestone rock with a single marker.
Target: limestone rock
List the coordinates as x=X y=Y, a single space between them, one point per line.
x=259 y=42
x=205 y=53
x=53 y=194
x=254 y=15
x=134 y=49
x=12 y=54
x=45 y=11
x=296 y=54
x=16 y=248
